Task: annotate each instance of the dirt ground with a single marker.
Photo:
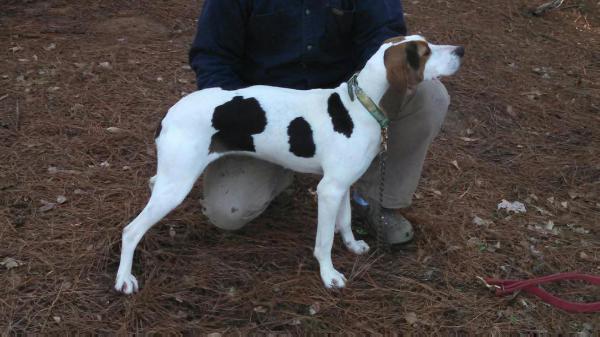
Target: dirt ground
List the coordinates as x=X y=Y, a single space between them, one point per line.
x=84 y=84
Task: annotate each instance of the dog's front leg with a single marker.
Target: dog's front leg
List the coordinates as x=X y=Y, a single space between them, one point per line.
x=330 y=194
x=343 y=225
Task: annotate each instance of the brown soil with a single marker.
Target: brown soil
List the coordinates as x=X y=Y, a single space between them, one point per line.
x=524 y=125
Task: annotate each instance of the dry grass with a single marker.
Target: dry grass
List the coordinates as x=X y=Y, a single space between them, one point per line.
x=535 y=138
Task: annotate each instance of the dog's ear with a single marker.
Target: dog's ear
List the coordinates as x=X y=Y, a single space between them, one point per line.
x=404 y=63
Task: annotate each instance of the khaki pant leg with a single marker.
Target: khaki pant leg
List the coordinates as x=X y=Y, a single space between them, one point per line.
x=237 y=189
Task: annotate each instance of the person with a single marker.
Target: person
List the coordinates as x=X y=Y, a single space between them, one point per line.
x=304 y=45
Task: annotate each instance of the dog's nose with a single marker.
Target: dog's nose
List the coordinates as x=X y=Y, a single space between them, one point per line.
x=459 y=51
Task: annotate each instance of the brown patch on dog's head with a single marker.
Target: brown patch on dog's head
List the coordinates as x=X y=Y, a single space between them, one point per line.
x=405 y=64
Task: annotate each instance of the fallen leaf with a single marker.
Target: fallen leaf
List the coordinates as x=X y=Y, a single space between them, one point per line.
x=10 y=263
x=455 y=164
x=468 y=140
x=564 y=204
x=584 y=256
x=105 y=65
x=511 y=111
x=314 y=308
x=104 y=164
x=15 y=49
x=411 y=318
x=474 y=242
x=260 y=309
x=114 y=129
x=515 y=206
x=579 y=230
x=61 y=199
x=46 y=206
x=543 y=230
x=535 y=252
x=56 y=319
x=214 y=334
x=481 y=222
x=533 y=95
x=587 y=330
x=77 y=107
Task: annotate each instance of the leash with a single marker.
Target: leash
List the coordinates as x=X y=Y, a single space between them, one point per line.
x=382 y=223
x=506 y=287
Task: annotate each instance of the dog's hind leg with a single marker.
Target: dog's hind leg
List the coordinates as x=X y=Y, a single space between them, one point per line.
x=330 y=193
x=179 y=165
x=343 y=225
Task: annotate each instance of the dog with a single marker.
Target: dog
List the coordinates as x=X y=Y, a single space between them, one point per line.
x=322 y=131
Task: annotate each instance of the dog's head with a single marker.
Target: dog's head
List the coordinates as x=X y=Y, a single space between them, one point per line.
x=410 y=60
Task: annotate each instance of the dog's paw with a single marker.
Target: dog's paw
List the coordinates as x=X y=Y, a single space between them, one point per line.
x=126 y=284
x=357 y=247
x=333 y=279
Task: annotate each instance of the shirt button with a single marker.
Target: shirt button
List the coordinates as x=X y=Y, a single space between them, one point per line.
x=309 y=47
x=307 y=11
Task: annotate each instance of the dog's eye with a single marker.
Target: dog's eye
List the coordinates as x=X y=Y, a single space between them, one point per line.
x=427 y=52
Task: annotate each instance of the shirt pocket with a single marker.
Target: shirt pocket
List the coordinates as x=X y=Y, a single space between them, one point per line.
x=272 y=32
x=339 y=24
x=341 y=13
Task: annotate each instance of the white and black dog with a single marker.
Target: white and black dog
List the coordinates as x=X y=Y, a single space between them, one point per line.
x=323 y=131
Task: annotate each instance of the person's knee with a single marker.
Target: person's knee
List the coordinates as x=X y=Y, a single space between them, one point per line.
x=229 y=218
x=434 y=102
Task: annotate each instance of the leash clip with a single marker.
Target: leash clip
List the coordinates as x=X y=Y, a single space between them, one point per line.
x=384 y=139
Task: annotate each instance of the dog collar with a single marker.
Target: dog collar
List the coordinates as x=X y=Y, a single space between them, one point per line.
x=366 y=101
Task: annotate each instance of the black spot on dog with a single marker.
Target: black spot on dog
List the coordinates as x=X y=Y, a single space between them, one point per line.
x=342 y=123
x=236 y=122
x=301 y=138
x=412 y=55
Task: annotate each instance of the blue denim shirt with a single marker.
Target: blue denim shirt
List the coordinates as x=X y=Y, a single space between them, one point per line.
x=301 y=44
